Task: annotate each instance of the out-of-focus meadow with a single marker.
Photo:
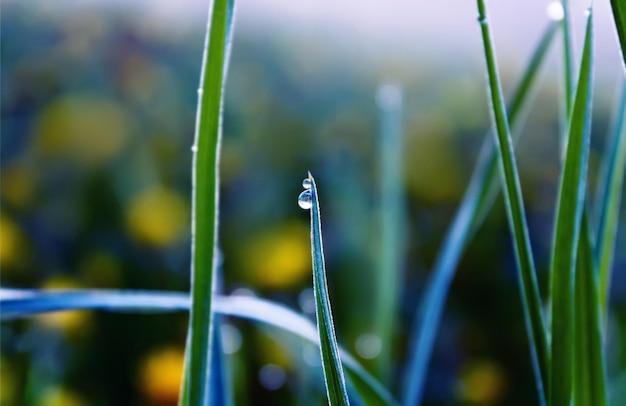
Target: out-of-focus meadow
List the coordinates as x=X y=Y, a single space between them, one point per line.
x=98 y=111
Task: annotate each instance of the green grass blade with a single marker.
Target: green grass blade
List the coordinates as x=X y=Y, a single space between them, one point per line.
x=609 y=196
x=515 y=213
x=16 y=304
x=568 y=60
x=571 y=202
x=205 y=202
x=477 y=202
x=333 y=372
x=389 y=100
x=619 y=14
x=590 y=370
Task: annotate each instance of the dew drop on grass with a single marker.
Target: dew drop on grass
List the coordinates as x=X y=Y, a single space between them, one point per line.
x=305 y=200
x=389 y=96
x=231 y=338
x=194 y=148
x=368 y=345
x=272 y=376
x=306 y=183
x=306 y=300
x=555 y=11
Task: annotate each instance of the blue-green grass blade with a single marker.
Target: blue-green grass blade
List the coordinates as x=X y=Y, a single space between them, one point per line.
x=16 y=304
x=331 y=364
x=477 y=202
x=590 y=387
x=610 y=190
x=392 y=217
x=205 y=176
x=220 y=392
x=619 y=14
x=531 y=301
x=570 y=206
x=568 y=60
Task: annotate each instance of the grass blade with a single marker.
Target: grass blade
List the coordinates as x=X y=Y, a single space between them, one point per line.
x=17 y=304
x=205 y=201
x=568 y=61
x=477 y=202
x=619 y=14
x=609 y=196
x=571 y=202
x=389 y=100
x=515 y=213
x=331 y=364
x=589 y=371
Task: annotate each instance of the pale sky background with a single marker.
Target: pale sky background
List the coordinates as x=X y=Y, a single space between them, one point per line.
x=408 y=27
x=370 y=31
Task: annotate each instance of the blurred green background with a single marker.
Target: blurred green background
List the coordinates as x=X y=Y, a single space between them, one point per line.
x=98 y=110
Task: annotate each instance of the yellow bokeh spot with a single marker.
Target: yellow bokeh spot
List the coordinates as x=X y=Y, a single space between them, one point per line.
x=270 y=350
x=60 y=397
x=482 y=382
x=70 y=322
x=100 y=270
x=11 y=243
x=18 y=185
x=7 y=383
x=431 y=161
x=157 y=216
x=160 y=375
x=87 y=129
x=280 y=258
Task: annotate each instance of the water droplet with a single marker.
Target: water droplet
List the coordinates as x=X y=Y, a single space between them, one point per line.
x=305 y=200
x=272 y=376
x=306 y=183
x=311 y=355
x=194 y=148
x=368 y=345
x=587 y=11
x=306 y=300
x=389 y=97
x=231 y=338
x=555 y=11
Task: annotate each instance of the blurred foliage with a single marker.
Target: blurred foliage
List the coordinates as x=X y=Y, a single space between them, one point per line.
x=97 y=123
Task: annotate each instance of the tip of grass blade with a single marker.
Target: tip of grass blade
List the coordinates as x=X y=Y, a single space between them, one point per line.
x=331 y=363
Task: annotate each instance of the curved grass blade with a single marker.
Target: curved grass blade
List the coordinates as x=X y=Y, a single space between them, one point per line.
x=389 y=275
x=609 y=196
x=515 y=212
x=15 y=304
x=205 y=176
x=590 y=387
x=619 y=14
x=571 y=202
x=333 y=372
x=477 y=202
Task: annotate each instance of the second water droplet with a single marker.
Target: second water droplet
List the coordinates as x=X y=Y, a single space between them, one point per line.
x=305 y=200
x=306 y=183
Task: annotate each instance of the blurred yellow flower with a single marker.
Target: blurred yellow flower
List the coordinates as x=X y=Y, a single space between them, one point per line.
x=70 y=322
x=60 y=397
x=271 y=351
x=157 y=216
x=7 y=383
x=87 y=129
x=11 y=243
x=160 y=375
x=18 y=185
x=482 y=382
x=280 y=258
x=431 y=161
x=100 y=270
